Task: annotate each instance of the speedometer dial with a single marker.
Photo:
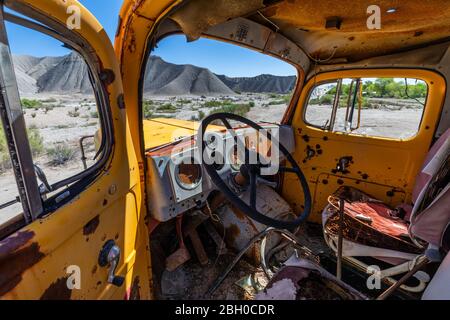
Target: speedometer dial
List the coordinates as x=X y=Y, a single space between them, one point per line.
x=188 y=175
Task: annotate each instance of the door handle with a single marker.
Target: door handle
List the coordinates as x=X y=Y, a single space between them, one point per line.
x=110 y=255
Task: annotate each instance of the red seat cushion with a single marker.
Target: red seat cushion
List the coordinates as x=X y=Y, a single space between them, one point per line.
x=382 y=217
x=368 y=221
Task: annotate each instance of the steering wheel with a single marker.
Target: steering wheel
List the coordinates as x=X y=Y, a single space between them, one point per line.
x=250 y=172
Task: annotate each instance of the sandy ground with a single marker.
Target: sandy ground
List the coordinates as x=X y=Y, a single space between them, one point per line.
x=399 y=124
x=56 y=126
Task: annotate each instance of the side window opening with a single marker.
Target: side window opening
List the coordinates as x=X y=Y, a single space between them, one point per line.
x=65 y=127
x=378 y=107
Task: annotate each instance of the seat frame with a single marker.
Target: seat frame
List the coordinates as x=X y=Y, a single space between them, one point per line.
x=402 y=262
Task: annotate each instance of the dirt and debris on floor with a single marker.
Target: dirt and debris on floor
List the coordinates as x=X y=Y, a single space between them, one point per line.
x=247 y=279
x=192 y=281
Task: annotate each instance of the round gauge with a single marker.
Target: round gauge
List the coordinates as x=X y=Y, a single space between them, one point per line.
x=188 y=175
x=235 y=162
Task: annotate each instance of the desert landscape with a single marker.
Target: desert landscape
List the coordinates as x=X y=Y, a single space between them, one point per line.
x=59 y=108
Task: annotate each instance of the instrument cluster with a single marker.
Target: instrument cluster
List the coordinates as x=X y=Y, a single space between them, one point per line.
x=176 y=176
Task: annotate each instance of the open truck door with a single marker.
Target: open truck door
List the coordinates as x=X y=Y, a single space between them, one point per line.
x=83 y=237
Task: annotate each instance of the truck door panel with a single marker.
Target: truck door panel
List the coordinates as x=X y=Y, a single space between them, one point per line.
x=42 y=259
x=383 y=167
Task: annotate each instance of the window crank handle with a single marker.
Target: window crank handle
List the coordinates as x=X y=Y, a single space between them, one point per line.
x=110 y=255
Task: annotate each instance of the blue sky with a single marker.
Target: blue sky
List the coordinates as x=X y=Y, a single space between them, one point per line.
x=219 y=57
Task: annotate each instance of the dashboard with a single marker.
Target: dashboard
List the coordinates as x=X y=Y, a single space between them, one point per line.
x=176 y=179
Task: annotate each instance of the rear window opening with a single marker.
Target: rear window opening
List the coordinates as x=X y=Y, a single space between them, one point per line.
x=379 y=107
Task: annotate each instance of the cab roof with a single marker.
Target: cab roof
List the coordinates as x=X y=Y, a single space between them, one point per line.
x=325 y=29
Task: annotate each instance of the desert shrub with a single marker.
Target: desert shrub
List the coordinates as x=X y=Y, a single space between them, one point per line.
x=36 y=144
x=33 y=115
x=184 y=101
x=287 y=98
x=73 y=114
x=147 y=109
x=273 y=96
x=89 y=124
x=60 y=154
x=4 y=157
x=276 y=102
x=3 y=146
x=94 y=114
x=47 y=109
x=49 y=100
x=201 y=115
x=36 y=141
x=239 y=109
x=62 y=126
x=251 y=104
x=31 y=103
x=325 y=99
x=216 y=103
x=167 y=108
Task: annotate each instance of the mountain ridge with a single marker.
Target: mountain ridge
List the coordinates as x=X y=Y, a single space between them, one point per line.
x=69 y=74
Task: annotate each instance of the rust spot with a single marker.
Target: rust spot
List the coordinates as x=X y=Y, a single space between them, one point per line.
x=310 y=153
x=390 y=193
x=16 y=256
x=135 y=293
x=240 y=215
x=121 y=101
x=351 y=38
x=132 y=45
x=91 y=226
x=325 y=181
x=340 y=181
x=94 y=269
x=418 y=33
x=325 y=138
x=342 y=165
x=107 y=76
x=233 y=231
x=305 y=138
x=58 y=290
x=105 y=202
